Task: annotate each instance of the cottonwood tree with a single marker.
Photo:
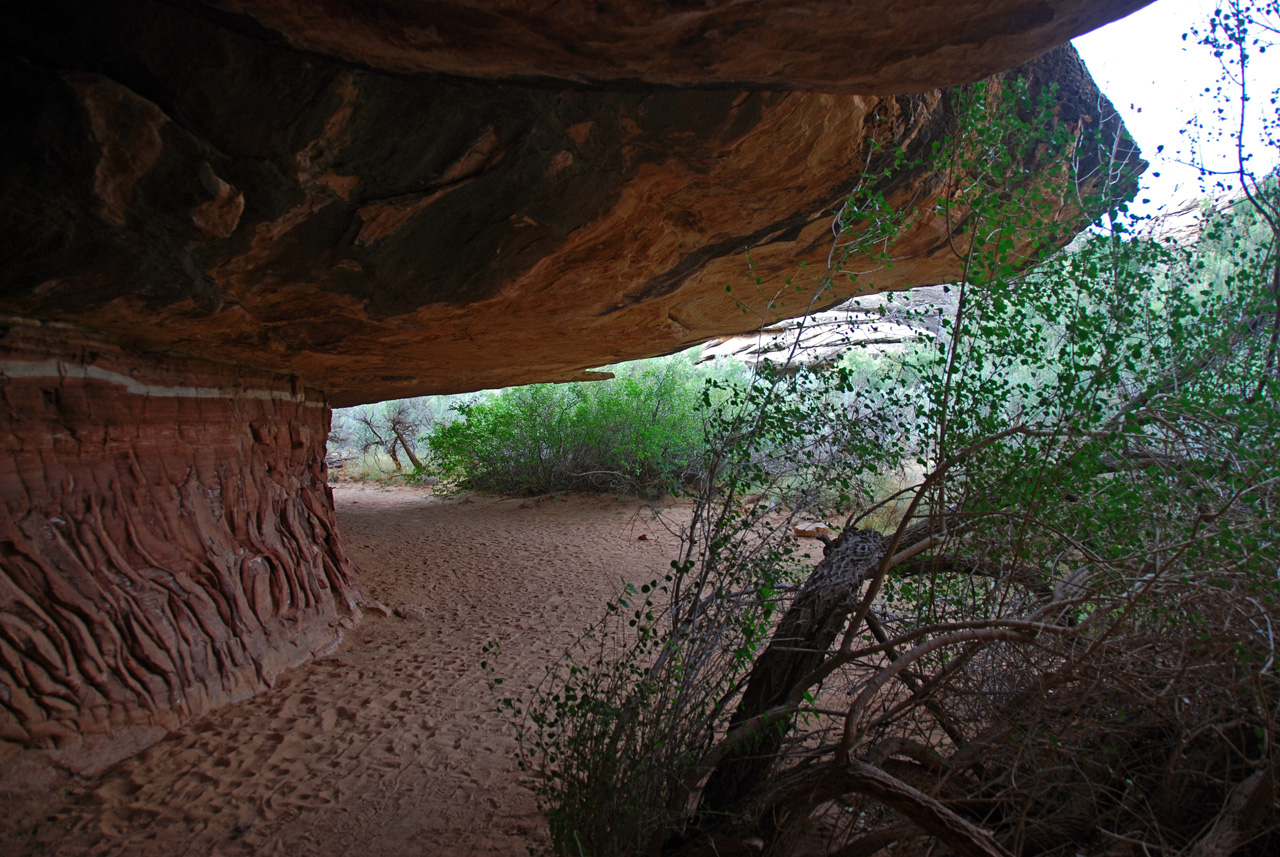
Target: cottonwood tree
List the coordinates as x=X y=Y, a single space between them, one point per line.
x=393 y=427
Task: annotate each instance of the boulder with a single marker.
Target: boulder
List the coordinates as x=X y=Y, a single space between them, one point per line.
x=378 y=609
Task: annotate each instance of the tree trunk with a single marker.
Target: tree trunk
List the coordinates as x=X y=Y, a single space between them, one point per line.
x=799 y=645
x=404 y=444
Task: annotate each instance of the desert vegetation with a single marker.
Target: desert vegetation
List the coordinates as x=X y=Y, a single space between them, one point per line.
x=640 y=432
x=1064 y=640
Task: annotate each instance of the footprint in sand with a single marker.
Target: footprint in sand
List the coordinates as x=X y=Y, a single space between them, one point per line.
x=328 y=719
x=409 y=756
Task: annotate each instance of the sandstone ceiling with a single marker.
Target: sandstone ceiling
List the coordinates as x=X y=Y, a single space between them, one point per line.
x=878 y=47
x=400 y=197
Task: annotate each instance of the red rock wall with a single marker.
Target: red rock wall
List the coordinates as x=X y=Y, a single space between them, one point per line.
x=167 y=537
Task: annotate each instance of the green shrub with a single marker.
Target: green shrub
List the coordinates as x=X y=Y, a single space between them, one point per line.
x=1067 y=641
x=638 y=433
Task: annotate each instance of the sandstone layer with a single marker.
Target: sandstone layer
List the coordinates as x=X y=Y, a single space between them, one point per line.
x=187 y=183
x=878 y=47
x=221 y=218
x=167 y=537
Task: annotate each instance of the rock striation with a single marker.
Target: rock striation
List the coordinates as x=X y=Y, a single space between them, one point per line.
x=221 y=218
x=167 y=537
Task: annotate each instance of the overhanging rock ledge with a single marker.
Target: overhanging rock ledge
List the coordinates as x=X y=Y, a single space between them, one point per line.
x=222 y=218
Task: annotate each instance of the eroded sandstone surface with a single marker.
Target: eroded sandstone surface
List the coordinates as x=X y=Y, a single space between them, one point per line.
x=221 y=218
x=879 y=47
x=167 y=536
x=190 y=183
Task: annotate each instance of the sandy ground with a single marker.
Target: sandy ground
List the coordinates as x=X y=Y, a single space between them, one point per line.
x=392 y=745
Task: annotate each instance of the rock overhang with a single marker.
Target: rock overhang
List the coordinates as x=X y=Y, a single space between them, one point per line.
x=872 y=47
x=332 y=197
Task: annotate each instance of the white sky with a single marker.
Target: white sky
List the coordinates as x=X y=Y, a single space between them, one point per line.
x=1158 y=82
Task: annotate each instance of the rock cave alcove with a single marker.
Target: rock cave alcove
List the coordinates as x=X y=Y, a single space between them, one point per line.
x=222 y=219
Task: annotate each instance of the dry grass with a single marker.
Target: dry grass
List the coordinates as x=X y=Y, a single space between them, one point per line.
x=372 y=466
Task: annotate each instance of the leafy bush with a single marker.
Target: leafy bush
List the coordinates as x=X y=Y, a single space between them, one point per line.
x=640 y=432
